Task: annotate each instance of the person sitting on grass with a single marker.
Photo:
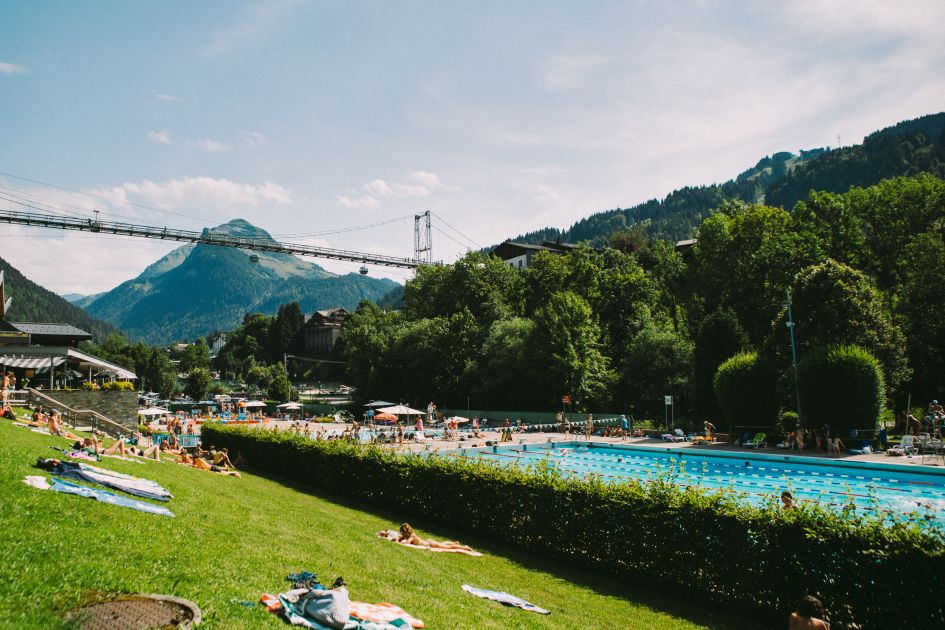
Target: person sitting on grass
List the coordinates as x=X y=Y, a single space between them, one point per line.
x=203 y=464
x=222 y=458
x=409 y=537
x=809 y=615
x=8 y=412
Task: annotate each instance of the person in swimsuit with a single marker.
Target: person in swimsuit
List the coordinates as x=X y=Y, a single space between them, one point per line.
x=809 y=615
x=408 y=537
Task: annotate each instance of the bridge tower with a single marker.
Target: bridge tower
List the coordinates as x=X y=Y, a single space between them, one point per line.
x=422 y=238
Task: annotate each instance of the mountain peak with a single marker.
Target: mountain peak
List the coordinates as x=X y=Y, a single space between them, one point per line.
x=240 y=227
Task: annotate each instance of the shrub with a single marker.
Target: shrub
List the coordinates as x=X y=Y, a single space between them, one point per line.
x=88 y=386
x=841 y=386
x=121 y=386
x=699 y=544
x=747 y=391
x=787 y=421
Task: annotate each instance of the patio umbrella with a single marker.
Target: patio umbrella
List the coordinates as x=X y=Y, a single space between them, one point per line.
x=385 y=416
x=153 y=411
x=290 y=405
x=254 y=403
x=402 y=410
x=459 y=419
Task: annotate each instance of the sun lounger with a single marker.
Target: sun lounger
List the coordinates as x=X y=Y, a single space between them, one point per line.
x=672 y=437
x=755 y=442
x=906 y=447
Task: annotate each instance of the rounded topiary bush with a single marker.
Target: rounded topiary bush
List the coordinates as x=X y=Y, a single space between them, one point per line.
x=841 y=386
x=747 y=391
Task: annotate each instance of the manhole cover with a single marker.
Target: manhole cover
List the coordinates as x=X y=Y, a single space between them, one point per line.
x=137 y=612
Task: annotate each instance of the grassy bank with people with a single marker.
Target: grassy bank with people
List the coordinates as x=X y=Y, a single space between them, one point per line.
x=698 y=545
x=236 y=538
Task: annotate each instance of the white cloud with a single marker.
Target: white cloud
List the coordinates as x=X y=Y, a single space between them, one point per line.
x=168 y=98
x=366 y=202
x=432 y=181
x=207 y=192
x=380 y=188
x=253 y=138
x=11 y=68
x=160 y=137
x=212 y=146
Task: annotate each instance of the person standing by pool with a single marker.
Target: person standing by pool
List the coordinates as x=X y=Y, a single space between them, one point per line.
x=624 y=427
x=589 y=427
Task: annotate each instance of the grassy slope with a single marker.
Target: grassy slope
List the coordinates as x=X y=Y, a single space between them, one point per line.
x=238 y=538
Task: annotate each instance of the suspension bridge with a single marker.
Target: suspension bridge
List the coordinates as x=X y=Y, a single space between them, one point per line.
x=32 y=211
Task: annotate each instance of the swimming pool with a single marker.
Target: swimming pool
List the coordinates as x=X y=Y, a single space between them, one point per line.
x=755 y=477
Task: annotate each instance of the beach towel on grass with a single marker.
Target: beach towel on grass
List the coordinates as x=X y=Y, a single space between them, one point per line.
x=392 y=536
x=505 y=598
x=364 y=616
x=384 y=613
x=144 y=488
x=60 y=485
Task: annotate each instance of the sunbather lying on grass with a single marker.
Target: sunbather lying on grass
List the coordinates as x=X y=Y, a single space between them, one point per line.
x=92 y=447
x=408 y=537
x=201 y=464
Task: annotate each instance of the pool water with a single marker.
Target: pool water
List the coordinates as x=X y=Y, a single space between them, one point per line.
x=757 y=478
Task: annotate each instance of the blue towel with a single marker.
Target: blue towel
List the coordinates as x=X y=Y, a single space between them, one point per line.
x=505 y=598
x=61 y=485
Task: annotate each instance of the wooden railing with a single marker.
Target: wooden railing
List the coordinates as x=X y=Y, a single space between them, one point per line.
x=98 y=421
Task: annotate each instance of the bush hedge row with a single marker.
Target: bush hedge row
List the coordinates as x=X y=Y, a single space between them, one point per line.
x=708 y=546
x=842 y=386
x=747 y=390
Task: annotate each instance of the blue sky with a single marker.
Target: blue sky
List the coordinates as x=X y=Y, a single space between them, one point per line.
x=500 y=117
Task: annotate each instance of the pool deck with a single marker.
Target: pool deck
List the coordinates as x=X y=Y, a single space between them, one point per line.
x=534 y=438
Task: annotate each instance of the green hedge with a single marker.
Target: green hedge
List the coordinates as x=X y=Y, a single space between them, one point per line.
x=693 y=543
x=747 y=391
x=841 y=386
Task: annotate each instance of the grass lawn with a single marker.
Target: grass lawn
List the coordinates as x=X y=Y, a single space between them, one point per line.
x=238 y=538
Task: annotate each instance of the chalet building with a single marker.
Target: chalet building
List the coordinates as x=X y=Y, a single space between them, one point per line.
x=48 y=354
x=519 y=255
x=321 y=331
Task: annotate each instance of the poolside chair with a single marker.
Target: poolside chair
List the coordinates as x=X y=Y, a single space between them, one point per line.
x=672 y=437
x=755 y=442
x=906 y=447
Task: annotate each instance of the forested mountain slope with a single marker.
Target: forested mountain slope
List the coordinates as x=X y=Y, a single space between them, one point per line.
x=782 y=179
x=33 y=303
x=198 y=289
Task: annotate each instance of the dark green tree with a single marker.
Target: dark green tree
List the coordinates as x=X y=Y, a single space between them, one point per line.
x=197 y=383
x=719 y=337
x=569 y=351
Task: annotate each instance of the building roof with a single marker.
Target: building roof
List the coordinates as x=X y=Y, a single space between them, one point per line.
x=57 y=330
x=511 y=249
x=329 y=312
x=67 y=354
